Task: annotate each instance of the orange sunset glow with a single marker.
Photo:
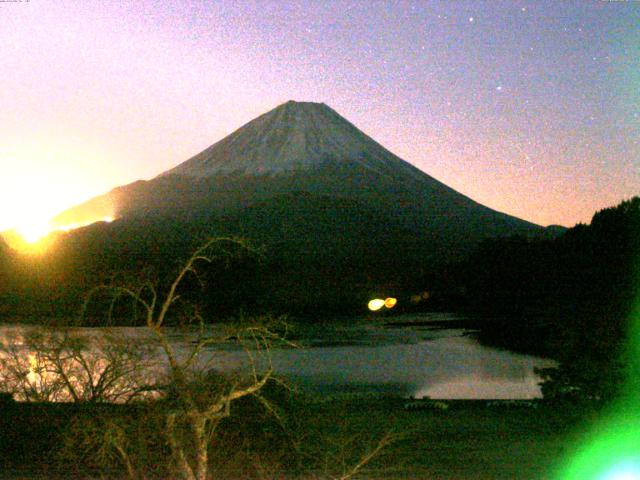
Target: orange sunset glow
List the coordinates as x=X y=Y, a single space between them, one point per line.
x=35 y=238
x=514 y=129
x=39 y=182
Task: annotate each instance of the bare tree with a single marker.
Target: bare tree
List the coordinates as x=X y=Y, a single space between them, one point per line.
x=186 y=396
x=196 y=404
x=341 y=455
x=40 y=364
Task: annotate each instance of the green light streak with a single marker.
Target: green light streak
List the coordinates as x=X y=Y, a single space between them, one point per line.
x=614 y=453
x=611 y=450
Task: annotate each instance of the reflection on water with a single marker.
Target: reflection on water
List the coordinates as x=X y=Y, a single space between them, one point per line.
x=446 y=367
x=411 y=361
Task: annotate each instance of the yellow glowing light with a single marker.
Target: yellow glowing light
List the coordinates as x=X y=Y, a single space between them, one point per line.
x=33 y=237
x=34 y=231
x=47 y=176
x=68 y=228
x=375 y=304
x=32 y=376
x=390 y=302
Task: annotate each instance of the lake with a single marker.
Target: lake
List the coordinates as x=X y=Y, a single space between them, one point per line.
x=409 y=355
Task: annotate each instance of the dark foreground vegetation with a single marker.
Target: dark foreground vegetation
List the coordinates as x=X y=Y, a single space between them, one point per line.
x=311 y=439
x=300 y=267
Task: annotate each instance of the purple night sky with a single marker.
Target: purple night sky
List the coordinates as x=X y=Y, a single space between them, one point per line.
x=531 y=108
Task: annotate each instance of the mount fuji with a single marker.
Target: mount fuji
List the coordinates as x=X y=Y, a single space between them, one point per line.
x=301 y=147
x=336 y=212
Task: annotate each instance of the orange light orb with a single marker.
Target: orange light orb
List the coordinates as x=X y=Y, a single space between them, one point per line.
x=390 y=302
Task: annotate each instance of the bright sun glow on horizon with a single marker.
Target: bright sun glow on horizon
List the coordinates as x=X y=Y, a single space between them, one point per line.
x=34 y=239
x=32 y=233
x=39 y=182
x=31 y=209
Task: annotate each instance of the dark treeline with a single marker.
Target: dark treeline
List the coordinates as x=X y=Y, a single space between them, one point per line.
x=526 y=288
x=308 y=256
x=570 y=298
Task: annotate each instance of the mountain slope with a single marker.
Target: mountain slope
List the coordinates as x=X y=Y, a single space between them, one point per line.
x=299 y=147
x=293 y=136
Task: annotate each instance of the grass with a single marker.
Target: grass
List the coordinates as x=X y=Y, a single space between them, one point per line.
x=467 y=440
